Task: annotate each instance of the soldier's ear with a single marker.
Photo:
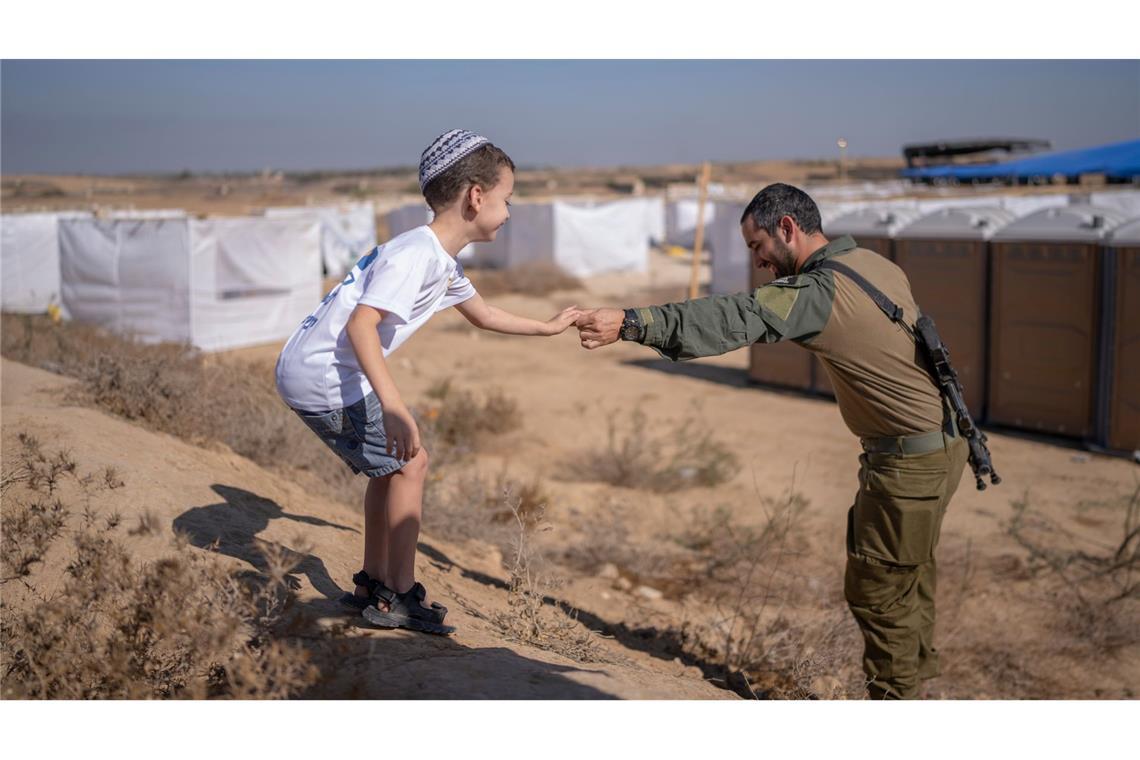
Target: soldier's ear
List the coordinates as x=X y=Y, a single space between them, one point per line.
x=787 y=227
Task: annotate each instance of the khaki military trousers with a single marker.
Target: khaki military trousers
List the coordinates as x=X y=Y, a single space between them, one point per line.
x=892 y=532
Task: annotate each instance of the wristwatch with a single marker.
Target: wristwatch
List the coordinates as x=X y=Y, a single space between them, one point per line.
x=631 y=327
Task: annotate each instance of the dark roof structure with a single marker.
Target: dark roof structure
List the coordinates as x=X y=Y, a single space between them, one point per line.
x=944 y=151
x=1118 y=162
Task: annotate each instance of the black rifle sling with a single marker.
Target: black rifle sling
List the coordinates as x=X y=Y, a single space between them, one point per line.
x=948 y=387
x=893 y=311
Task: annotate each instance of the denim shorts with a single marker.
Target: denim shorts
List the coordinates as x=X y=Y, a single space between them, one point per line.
x=356 y=434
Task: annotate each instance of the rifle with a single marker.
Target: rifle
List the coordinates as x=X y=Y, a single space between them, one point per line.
x=938 y=355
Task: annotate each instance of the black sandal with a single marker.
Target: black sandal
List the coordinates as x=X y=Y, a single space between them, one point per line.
x=358 y=603
x=406 y=611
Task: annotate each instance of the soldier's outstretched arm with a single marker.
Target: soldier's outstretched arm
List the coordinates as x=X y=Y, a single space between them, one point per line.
x=787 y=309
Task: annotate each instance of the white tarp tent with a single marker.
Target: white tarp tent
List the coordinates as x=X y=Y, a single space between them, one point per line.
x=215 y=283
x=729 y=258
x=405 y=218
x=348 y=232
x=408 y=217
x=654 y=217
x=581 y=240
x=29 y=260
x=681 y=220
x=146 y=213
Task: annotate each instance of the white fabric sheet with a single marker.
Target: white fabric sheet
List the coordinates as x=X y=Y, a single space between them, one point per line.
x=29 y=260
x=681 y=221
x=606 y=238
x=347 y=232
x=731 y=262
x=583 y=240
x=217 y=283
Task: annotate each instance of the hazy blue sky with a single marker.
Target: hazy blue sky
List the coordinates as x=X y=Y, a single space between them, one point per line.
x=143 y=116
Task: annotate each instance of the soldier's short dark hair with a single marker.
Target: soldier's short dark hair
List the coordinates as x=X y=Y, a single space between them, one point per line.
x=480 y=167
x=779 y=200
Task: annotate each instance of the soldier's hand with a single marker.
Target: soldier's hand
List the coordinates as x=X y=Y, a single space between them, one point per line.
x=600 y=327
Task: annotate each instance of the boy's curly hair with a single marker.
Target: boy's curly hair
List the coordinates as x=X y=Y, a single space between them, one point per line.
x=481 y=167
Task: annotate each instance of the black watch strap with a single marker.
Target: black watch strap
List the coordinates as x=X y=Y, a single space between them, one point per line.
x=632 y=327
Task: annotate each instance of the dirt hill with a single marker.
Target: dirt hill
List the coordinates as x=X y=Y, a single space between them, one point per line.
x=217 y=496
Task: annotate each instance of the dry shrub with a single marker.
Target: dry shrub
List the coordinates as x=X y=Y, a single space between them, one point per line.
x=178 y=627
x=768 y=634
x=177 y=390
x=532 y=616
x=1098 y=586
x=454 y=421
x=467 y=504
x=666 y=456
x=535 y=279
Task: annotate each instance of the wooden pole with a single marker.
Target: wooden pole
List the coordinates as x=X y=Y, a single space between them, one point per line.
x=699 y=238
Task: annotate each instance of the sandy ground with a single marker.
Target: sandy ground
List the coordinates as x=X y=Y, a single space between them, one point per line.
x=1001 y=629
x=989 y=603
x=214 y=491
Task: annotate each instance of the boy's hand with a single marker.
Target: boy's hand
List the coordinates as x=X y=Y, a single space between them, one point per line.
x=558 y=324
x=600 y=327
x=403 y=434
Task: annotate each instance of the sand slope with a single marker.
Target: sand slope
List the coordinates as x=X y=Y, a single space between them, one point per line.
x=217 y=496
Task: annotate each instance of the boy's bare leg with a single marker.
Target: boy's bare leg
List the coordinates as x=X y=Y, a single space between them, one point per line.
x=375 y=532
x=405 y=513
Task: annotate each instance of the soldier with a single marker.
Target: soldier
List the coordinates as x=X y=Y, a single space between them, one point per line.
x=913 y=456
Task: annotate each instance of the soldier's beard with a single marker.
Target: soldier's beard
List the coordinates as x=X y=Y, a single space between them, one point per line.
x=784 y=260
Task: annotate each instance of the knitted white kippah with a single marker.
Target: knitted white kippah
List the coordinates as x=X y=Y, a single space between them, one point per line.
x=445 y=150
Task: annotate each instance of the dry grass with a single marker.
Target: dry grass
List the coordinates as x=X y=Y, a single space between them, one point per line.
x=201 y=399
x=176 y=390
x=537 y=279
x=769 y=633
x=1099 y=583
x=662 y=455
x=454 y=421
x=116 y=628
x=464 y=503
x=532 y=616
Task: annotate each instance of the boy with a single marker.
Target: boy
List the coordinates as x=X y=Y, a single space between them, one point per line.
x=333 y=372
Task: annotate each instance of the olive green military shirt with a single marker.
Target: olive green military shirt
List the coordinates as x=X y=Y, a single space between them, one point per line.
x=881 y=386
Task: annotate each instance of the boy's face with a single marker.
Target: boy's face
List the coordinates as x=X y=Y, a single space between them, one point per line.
x=493 y=204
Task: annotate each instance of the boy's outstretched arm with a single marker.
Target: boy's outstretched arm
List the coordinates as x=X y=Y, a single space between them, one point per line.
x=487 y=317
x=403 y=434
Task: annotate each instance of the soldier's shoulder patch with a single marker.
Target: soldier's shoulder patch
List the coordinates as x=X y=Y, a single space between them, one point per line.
x=778 y=300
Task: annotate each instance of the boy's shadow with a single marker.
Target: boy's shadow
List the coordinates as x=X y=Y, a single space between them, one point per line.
x=231 y=527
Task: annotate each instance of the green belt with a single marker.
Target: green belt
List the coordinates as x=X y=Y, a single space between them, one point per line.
x=920 y=443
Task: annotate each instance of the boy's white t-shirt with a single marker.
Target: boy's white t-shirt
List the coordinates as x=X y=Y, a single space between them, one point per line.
x=411 y=277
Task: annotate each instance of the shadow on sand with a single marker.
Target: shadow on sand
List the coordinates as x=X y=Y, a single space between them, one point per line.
x=397 y=665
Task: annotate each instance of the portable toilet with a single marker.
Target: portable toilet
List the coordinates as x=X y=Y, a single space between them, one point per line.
x=1120 y=356
x=1045 y=311
x=873 y=227
x=945 y=255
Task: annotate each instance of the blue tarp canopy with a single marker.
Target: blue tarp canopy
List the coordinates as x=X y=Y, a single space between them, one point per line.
x=1116 y=161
